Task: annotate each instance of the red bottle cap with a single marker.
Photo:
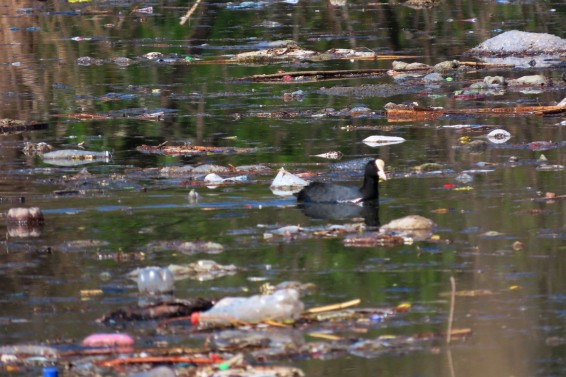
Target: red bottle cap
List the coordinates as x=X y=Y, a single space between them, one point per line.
x=195 y=317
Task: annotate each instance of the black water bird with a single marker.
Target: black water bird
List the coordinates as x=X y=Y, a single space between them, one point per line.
x=325 y=192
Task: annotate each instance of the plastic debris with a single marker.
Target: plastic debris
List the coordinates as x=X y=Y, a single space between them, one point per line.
x=214 y=178
x=73 y=157
x=22 y=215
x=334 y=155
x=498 y=136
x=379 y=140
x=146 y=10
x=108 y=340
x=286 y=183
x=282 y=305
x=155 y=280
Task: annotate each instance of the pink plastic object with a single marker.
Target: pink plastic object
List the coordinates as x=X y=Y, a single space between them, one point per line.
x=108 y=340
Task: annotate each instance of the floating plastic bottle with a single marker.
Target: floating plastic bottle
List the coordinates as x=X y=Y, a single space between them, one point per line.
x=155 y=281
x=281 y=305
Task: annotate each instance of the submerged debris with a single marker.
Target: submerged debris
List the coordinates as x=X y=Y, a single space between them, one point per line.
x=13 y=125
x=371 y=239
x=201 y=270
x=292 y=52
x=158 y=311
x=32 y=149
x=310 y=76
x=369 y=90
x=329 y=231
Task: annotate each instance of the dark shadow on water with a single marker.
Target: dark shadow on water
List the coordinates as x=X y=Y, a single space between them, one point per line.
x=341 y=211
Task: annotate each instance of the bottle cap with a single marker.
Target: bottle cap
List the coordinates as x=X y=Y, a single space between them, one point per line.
x=195 y=318
x=50 y=372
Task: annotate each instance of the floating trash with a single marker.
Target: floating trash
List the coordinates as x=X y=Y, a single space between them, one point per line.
x=334 y=155
x=155 y=280
x=286 y=183
x=379 y=140
x=499 y=136
x=74 y=157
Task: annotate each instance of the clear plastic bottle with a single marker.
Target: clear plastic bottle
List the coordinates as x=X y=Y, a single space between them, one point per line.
x=281 y=305
x=155 y=281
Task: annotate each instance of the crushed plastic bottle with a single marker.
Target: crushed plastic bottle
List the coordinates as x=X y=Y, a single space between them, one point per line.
x=281 y=305
x=155 y=280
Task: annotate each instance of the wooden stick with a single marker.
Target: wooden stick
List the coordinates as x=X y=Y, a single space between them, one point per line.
x=316 y=73
x=324 y=336
x=189 y=13
x=452 y=304
x=487 y=65
x=160 y=360
x=329 y=308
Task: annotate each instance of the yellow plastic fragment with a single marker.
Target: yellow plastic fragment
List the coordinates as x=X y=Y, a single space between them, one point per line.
x=91 y=292
x=465 y=140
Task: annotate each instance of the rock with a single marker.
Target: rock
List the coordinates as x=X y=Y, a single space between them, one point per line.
x=516 y=42
x=411 y=222
x=433 y=77
x=446 y=66
x=401 y=66
x=209 y=168
x=412 y=227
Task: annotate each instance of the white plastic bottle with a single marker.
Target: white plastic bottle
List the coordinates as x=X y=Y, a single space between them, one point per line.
x=281 y=305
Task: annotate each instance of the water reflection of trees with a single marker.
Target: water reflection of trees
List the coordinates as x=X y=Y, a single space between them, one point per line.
x=48 y=57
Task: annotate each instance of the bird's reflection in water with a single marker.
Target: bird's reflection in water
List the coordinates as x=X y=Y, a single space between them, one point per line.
x=342 y=211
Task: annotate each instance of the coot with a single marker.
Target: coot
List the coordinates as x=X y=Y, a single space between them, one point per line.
x=322 y=192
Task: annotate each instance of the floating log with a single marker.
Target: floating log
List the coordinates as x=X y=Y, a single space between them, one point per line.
x=416 y=113
x=171 y=150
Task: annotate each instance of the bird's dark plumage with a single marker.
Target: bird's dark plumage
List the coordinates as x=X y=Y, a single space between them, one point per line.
x=323 y=192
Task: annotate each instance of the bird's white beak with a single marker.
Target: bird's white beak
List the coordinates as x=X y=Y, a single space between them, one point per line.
x=380 y=164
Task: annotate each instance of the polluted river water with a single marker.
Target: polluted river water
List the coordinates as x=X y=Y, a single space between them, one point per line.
x=116 y=88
